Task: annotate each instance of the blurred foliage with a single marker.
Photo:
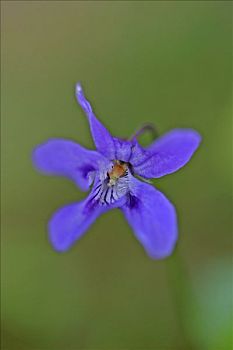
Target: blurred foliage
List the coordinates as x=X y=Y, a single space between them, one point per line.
x=211 y=315
x=167 y=63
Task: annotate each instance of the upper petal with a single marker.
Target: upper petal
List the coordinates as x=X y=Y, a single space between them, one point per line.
x=152 y=218
x=168 y=153
x=102 y=138
x=67 y=158
x=123 y=149
x=129 y=151
x=110 y=147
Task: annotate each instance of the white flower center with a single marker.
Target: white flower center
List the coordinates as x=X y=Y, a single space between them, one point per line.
x=114 y=184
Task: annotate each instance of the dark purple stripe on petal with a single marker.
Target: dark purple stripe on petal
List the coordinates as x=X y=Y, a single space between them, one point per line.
x=132 y=201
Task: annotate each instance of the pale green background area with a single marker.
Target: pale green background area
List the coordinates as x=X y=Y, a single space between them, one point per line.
x=167 y=63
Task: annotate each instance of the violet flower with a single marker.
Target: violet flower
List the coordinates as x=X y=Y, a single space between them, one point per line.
x=113 y=171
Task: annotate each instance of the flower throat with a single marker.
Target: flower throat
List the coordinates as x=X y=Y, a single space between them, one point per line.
x=119 y=170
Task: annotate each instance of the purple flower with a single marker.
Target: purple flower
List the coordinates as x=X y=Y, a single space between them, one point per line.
x=112 y=171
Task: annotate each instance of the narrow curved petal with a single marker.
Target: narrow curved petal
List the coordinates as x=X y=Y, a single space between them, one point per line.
x=67 y=158
x=110 y=147
x=102 y=138
x=152 y=218
x=169 y=153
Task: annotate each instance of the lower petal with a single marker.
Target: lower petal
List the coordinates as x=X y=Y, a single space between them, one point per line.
x=69 y=223
x=152 y=218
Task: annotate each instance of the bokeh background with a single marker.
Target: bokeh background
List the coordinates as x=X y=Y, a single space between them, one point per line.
x=167 y=63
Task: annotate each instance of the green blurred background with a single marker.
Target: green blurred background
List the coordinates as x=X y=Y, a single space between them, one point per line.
x=167 y=63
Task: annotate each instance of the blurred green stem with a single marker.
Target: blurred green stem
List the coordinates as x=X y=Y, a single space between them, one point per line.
x=181 y=290
x=145 y=128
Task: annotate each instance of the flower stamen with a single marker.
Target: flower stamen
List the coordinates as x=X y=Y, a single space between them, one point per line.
x=119 y=170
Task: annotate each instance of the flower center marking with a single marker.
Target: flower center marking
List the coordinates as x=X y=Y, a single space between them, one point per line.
x=119 y=170
x=115 y=184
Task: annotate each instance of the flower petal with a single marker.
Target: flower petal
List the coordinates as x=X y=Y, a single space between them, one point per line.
x=123 y=149
x=67 y=158
x=169 y=153
x=110 y=147
x=138 y=155
x=129 y=151
x=102 y=138
x=153 y=219
x=69 y=223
